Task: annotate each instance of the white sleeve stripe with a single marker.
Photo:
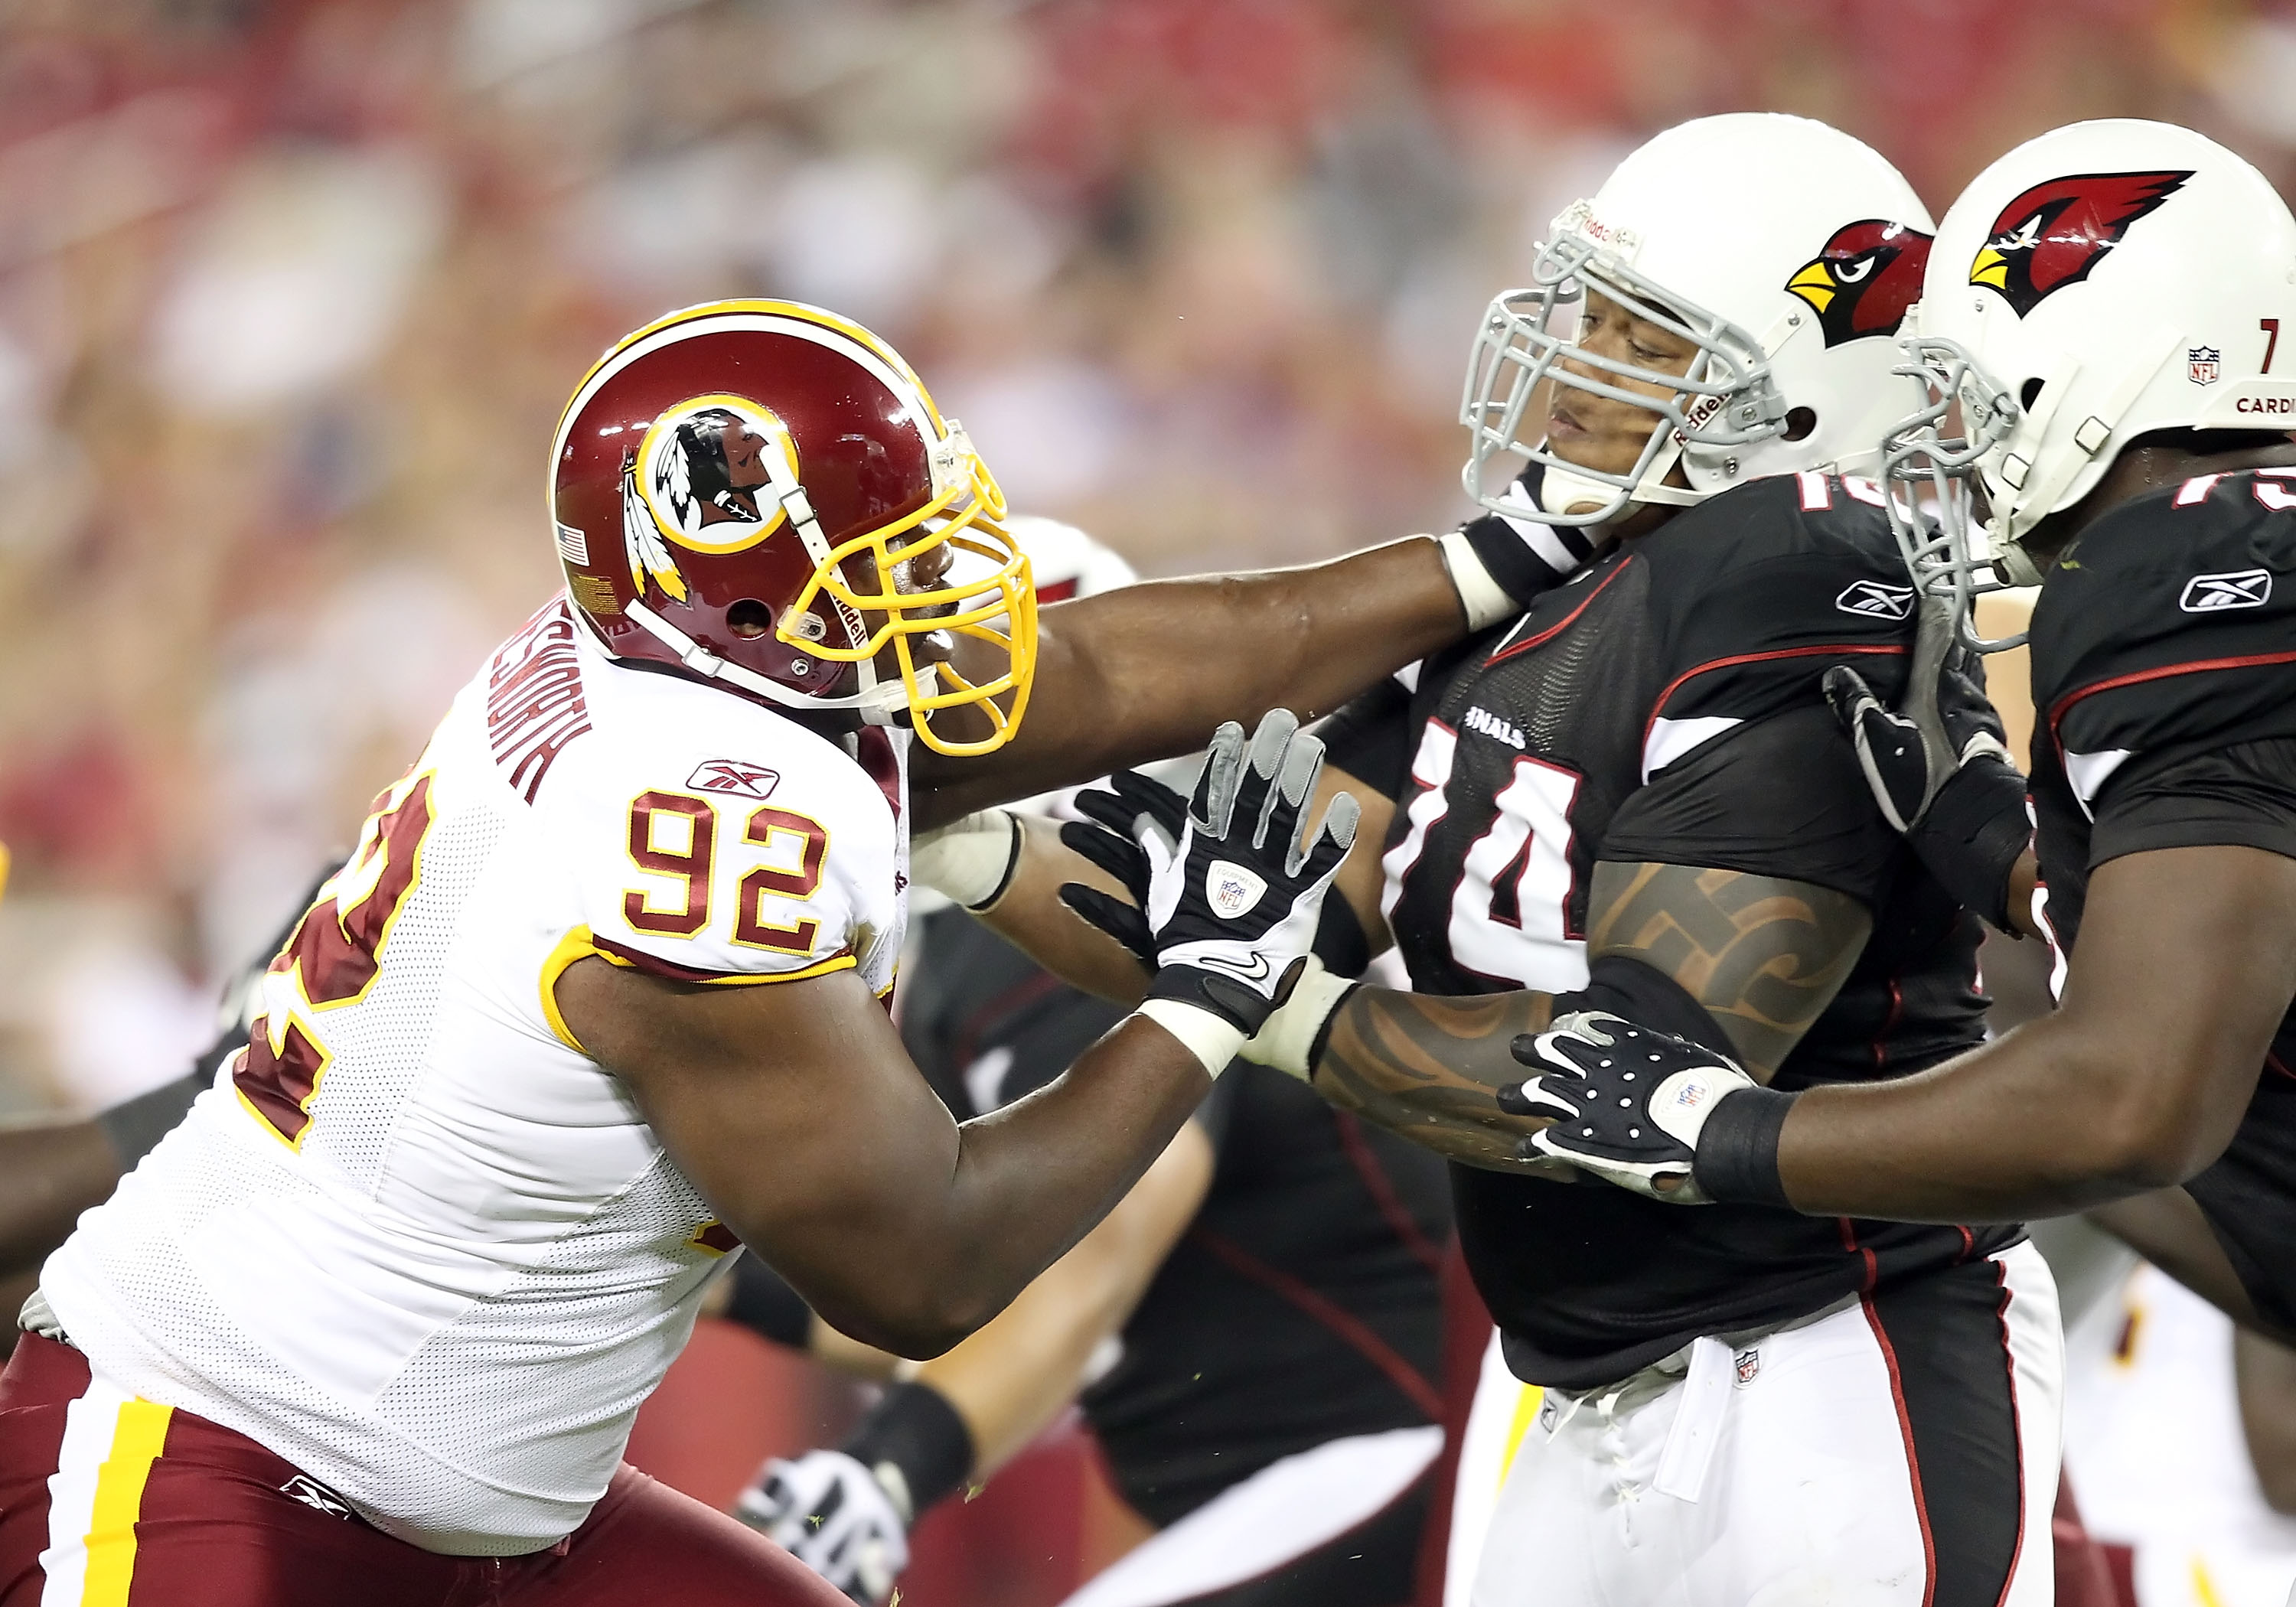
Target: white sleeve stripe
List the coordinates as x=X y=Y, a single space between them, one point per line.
x=1669 y=740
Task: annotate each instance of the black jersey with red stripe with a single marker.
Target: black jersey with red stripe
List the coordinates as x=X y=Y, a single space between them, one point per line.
x=2164 y=680
x=1666 y=706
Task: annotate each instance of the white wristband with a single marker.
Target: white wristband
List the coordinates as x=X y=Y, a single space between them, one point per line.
x=970 y=860
x=1210 y=1038
x=1286 y=1038
x=1484 y=599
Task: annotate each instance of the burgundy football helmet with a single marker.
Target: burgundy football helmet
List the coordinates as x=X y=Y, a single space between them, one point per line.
x=761 y=495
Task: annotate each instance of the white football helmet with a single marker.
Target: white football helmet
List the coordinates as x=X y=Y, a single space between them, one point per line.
x=2099 y=282
x=1785 y=250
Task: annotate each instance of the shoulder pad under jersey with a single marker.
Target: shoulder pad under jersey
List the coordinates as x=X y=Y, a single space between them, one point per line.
x=710 y=840
x=1759 y=590
x=2172 y=619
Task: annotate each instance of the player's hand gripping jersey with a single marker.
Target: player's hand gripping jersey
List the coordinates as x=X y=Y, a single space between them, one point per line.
x=1665 y=707
x=417 y=1241
x=2164 y=687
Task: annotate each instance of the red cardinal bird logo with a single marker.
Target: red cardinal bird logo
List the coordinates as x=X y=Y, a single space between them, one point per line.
x=1864 y=279
x=2055 y=233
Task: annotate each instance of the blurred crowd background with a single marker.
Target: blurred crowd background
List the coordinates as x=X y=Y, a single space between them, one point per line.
x=291 y=294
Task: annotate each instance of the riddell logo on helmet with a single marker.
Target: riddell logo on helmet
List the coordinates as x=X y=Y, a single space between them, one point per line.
x=2056 y=233
x=1863 y=279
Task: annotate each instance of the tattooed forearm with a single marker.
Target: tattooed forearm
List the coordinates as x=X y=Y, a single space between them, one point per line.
x=1765 y=956
x=1430 y=1068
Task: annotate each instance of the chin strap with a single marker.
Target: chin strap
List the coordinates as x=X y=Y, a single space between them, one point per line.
x=879 y=702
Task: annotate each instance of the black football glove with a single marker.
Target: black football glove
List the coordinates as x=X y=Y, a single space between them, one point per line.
x=1939 y=769
x=1628 y=1103
x=1232 y=901
x=1138 y=805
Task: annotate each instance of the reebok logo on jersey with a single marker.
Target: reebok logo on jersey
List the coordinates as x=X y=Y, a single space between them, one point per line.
x=312 y=1493
x=732 y=775
x=1875 y=600
x=2214 y=594
x=1484 y=721
x=1231 y=890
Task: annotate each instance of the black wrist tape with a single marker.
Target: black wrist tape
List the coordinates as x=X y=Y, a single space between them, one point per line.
x=1972 y=835
x=1239 y=1006
x=916 y=1430
x=1737 y=1159
x=1519 y=570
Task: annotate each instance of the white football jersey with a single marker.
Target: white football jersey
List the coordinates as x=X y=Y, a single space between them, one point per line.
x=2155 y=1451
x=414 y=1240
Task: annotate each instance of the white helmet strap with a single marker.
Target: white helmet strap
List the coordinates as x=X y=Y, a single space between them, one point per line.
x=880 y=702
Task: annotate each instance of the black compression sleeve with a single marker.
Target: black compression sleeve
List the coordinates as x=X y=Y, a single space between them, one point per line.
x=915 y=1431
x=766 y=1305
x=1626 y=987
x=1972 y=834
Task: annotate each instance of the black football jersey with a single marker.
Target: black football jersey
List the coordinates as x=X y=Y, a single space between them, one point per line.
x=1666 y=706
x=1303 y=1302
x=2164 y=689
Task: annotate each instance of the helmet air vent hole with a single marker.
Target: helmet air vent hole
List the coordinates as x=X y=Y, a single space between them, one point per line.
x=748 y=618
x=1801 y=422
x=2029 y=393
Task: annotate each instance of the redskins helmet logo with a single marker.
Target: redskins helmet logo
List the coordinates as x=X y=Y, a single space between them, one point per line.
x=2056 y=233
x=710 y=474
x=1869 y=273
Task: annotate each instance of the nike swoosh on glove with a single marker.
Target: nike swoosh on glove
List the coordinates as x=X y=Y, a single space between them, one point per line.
x=1232 y=900
x=830 y=1513
x=1938 y=770
x=1629 y=1103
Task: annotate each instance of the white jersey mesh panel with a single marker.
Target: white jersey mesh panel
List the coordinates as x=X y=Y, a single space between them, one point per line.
x=442 y=1281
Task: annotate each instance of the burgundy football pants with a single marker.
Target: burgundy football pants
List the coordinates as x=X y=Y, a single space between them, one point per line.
x=107 y=1501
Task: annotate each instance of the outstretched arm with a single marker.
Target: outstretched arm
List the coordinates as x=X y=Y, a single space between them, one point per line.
x=831 y=1157
x=2186 y=964
x=1148 y=671
x=1762 y=956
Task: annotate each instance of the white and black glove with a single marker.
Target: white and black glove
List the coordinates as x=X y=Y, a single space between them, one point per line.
x=1629 y=1104
x=1939 y=769
x=1293 y=1034
x=830 y=1513
x=1233 y=898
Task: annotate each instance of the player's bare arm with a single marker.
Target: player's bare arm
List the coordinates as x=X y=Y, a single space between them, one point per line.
x=1149 y=671
x=1762 y=956
x=2187 y=962
x=865 y=1156
x=1013 y=1377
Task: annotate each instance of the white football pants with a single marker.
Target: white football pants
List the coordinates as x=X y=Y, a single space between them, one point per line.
x=1901 y=1452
